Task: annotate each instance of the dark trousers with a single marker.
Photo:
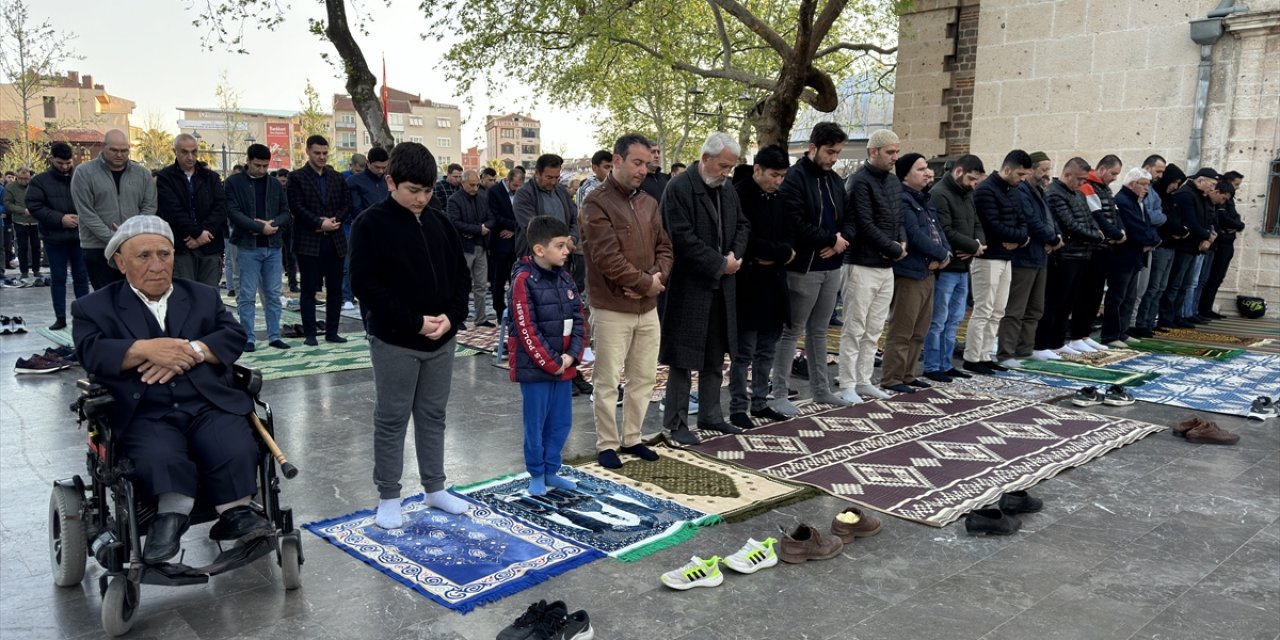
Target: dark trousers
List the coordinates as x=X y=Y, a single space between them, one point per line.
x=911 y=313
x=28 y=240
x=1180 y=276
x=8 y=241
x=289 y=259
x=1064 y=277
x=62 y=256
x=1122 y=295
x=499 y=276
x=755 y=351
x=710 y=377
x=548 y=415
x=1022 y=313
x=200 y=267
x=101 y=274
x=1089 y=296
x=1222 y=256
x=213 y=450
x=327 y=267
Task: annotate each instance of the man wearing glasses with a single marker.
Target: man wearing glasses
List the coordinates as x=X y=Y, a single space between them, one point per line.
x=107 y=191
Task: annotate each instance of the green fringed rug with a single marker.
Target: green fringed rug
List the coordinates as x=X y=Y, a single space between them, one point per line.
x=62 y=337
x=701 y=483
x=1075 y=371
x=622 y=521
x=1185 y=349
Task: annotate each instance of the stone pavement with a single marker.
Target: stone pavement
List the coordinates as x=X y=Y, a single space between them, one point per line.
x=1161 y=539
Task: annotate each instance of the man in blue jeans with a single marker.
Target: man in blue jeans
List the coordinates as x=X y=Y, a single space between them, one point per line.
x=259 y=212
x=953 y=198
x=49 y=202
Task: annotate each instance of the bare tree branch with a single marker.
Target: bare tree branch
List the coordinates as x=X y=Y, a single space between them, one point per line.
x=861 y=46
x=724 y=35
x=756 y=25
x=822 y=26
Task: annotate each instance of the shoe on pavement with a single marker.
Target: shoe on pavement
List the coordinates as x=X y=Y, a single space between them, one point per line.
x=753 y=556
x=1116 y=396
x=1044 y=355
x=1262 y=409
x=938 y=376
x=17 y=324
x=348 y=306
x=697 y=573
x=806 y=543
x=958 y=374
x=6 y=325
x=980 y=368
x=768 y=413
x=1016 y=502
x=1011 y=363
x=1180 y=430
x=1211 y=433
x=1080 y=346
x=832 y=399
x=871 y=392
x=1087 y=397
x=575 y=626
x=523 y=627
x=38 y=364
x=992 y=521
x=854 y=523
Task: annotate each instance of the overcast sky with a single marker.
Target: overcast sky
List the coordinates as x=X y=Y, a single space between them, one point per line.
x=148 y=51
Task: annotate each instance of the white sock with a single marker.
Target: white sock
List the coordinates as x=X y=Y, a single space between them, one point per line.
x=242 y=502
x=869 y=391
x=389 y=516
x=174 y=502
x=445 y=501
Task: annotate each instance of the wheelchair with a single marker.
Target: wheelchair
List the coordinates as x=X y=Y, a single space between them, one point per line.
x=105 y=519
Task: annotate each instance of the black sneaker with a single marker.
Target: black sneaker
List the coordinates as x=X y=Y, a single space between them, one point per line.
x=581 y=385
x=956 y=373
x=980 y=368
x=523 y=627
x=1087 y=397
x=920 y=384
x=998 y=368
x=1116 y=396
x=768 y=413
x=17 y=324
x=58 y=325
x=1016 y=502
x=992 y=521
x=939 y=376
x=740 y=420
x=575 y=626
x=800 y=367
x=1262 y=409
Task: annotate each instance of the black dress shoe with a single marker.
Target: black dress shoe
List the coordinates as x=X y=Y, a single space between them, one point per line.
x=740 y=420
x=1199 y=319
x=609 y=459
x=992 y=521
x=644 y=453
x=1183 y=323
x=249 y=348
x=335 y=338
x=938 y=376
x=279 y=344
x=59 y=325
x=239 y=522
x=769 y=413
x=1139 y=332
x=721 y=427
x=978 y=367
x=311 y=341
x=1212 y=315
x=1016 y=502
x=684 y=436
x=956 y=373
x=900 y=388
x=920 y=384
x=998 y=368
x=164 y=537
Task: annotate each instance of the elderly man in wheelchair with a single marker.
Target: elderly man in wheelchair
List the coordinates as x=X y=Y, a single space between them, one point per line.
x=178 y=416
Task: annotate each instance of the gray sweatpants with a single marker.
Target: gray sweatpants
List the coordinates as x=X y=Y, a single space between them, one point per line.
x=813 y=298
x=409 y=383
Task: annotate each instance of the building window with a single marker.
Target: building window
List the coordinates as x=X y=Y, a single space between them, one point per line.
x=444 y=143
x=507 y=133
x=443 y=123
x=367 y=140
x=347 y=120
x=1271 y=212
x=508 y=149
x=397 y=119
x=443 y=161
x=527 y=132
x=415 y=121
x=50 y=107
x=347 y=139
x=529 y=149
x=417 y=139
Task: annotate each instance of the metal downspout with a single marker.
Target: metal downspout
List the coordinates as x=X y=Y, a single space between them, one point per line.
x=1206 y=32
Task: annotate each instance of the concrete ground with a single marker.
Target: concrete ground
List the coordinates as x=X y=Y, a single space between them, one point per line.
x=1160 y=539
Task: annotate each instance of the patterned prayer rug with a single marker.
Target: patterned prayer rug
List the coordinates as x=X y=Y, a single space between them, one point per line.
x=1086 y=373
x=930 y=456
x=461 y=561
x=302 y=360
x=1103 y=358
x=703 y=484
x=1264 y=327
x=1004 y=387
x=626 y=523
x=833 y=340
x=1156 y=345
x=660 y=385
x=1196 y=383
x=482 y=338
x=1210 y=337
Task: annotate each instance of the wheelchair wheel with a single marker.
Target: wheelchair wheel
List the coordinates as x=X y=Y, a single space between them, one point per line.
x=290 y=565
x=68 y=549
x=118 y=606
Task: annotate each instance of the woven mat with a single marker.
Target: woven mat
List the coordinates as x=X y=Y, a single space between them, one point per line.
x=1003 y=387
x=1084 y=372
x=1198 y=336
x=461 y=561
x=1156 y=345
x=1102 y=358
x=660 y=386
x=1264 y=327
x=61 y=337
x=703 y=484
x=623 y=522
x=930 y=456
x=482 y=338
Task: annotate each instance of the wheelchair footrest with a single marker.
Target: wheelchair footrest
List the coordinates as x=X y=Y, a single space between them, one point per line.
x=169 y=574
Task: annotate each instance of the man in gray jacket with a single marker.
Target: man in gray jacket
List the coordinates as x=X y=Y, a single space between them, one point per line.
x=107 y=191
x=468 y=210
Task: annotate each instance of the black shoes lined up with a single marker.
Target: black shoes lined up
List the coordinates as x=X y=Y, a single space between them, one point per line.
x=1002 y=520
x=542 y=621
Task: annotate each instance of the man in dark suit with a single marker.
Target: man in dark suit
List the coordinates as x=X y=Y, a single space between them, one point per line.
x=502 y=246
x=319 y=201
x=708 y=230
x=164 y=350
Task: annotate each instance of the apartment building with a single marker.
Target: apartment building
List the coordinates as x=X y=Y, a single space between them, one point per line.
x=411 y=118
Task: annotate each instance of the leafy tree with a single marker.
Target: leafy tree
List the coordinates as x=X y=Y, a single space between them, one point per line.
x=499 y=166
x=31 y=57
x=236 y=129
x=312 y=120
x=154 y=146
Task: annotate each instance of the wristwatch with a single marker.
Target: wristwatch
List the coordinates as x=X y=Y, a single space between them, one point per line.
x=195 y=346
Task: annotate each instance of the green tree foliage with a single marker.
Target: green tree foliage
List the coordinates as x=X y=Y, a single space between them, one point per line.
x=312 y=120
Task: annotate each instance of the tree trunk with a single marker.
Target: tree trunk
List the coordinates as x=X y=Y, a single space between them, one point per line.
x=361 y=83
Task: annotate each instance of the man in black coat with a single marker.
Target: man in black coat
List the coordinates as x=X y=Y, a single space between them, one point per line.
x=1190 y=206
x=502 y=240
x=1000 y=213
x=655 y=183
x=189 y=196
x=49 y=202
x=164 y=348
x=699 y=320
x=468 y=211
x=1224 y=248
x=762 y=286
x=319 y=201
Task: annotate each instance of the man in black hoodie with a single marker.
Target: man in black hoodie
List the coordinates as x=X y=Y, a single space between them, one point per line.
x=1190 y=203
x=408 y=271
x=189 y=196
x=1224 y=248
x=49 y=202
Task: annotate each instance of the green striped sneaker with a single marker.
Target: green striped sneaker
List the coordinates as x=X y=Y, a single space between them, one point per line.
x=698 y=573
x=753 y=556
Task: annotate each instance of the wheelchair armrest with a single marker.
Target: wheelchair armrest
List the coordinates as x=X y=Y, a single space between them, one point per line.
x=248 y=379
x=94 y=401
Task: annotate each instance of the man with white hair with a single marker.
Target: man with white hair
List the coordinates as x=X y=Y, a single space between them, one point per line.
x=1127 y=257
x=875 y=201
x=191 y=199
x=107 y=191
x=708 y=231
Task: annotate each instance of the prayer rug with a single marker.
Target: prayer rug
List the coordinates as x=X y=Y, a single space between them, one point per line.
x=660 y=385
x=1086 y=373
x=1204 y=385
x=1102 y=358
x=482 y=338
x=460 y=561
x=833 y=340
x=1004 y=387
x=1264 y=327
x=1210 y=337
x=302 y=360
x=703 y=484
x=1156 y=345
x=61 y=337
x=929 y=456
x=623 y=522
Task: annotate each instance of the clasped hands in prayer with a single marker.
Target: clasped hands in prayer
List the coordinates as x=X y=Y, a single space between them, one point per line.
x=159 y=360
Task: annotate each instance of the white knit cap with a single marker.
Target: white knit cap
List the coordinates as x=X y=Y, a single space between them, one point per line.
x=881 y=138
x=136 y=226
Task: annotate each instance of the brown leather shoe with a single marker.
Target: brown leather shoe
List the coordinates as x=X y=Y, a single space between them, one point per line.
x=1210 y=433
x=807 y=543
x=864 y=525
x=1180 y=430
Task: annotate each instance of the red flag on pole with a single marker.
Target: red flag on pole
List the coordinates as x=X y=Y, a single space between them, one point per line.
x=385 y=95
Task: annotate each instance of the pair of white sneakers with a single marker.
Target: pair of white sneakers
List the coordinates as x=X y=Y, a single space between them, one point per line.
x=752 y=557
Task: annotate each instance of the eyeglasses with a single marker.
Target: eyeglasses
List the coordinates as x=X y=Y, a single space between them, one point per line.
x=117 y=150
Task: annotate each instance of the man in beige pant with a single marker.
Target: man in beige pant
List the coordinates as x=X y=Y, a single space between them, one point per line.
x=629 y=257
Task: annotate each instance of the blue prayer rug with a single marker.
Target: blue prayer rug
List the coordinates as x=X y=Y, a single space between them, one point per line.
x=623 y=522
x=460 y=561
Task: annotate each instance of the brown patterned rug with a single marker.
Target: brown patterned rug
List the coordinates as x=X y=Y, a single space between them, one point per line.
x=931 y=456
x=1196 y=335
x=1003 y=387
x=1103 y=358
x=482 y=338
